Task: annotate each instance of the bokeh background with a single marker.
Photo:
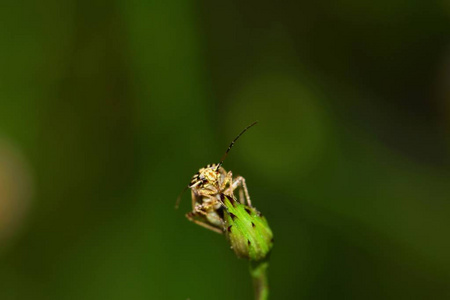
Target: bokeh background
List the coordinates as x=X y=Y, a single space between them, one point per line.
x=107 y=108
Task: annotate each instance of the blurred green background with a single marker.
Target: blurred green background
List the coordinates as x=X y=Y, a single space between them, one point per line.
x=107 y=108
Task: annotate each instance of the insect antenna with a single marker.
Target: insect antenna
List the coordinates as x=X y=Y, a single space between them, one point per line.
x=179 y=197
x=231 y=145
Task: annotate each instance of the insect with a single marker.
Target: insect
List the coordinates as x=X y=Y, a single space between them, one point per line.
x=215 y=207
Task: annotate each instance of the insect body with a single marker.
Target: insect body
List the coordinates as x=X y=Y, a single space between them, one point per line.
x=215 y=207
x=206 y=186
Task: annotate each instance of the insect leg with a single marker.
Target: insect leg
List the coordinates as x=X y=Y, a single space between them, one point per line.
x=241 y=196
x=194 y=199
x=241 y=181
x=190 y=217
x=233 y=186
x=228 y=181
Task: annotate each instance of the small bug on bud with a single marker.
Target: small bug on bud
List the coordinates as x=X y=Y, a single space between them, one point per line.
x=215 y=207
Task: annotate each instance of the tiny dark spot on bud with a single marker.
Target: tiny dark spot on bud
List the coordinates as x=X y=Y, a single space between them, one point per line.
x=248 y=242
x=271 y=240
x=248 y=211
x=229 y=228
x=233 y=216
x=222 y=197
x=253 y=224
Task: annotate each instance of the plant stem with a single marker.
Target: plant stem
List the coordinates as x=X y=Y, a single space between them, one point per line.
x=258 y=271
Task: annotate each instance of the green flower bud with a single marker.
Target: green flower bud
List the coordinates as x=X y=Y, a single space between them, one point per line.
x=247 y=230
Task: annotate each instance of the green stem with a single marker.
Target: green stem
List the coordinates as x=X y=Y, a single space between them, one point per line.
x=258 y=271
